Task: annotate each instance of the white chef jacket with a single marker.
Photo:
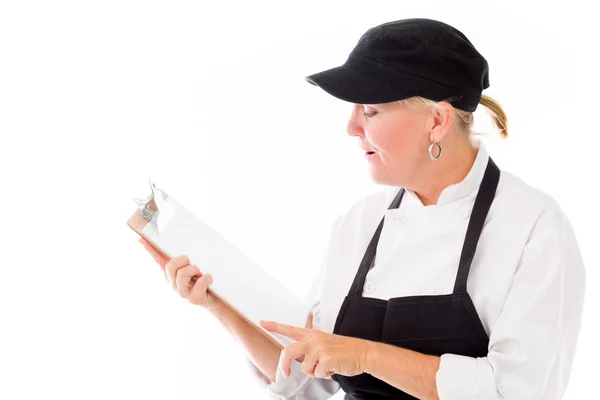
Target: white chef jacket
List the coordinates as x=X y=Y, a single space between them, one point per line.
x=527 y=283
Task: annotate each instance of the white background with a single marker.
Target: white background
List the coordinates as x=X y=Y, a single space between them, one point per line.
x=209 y=99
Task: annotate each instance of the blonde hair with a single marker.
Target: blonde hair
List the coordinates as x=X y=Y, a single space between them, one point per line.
x=465 y=118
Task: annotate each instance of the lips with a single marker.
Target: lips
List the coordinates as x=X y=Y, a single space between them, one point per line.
x=366 y=149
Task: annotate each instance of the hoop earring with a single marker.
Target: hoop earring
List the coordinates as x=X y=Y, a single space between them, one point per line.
x=439 y=146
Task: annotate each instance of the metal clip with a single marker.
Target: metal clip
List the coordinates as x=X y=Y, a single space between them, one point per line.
x=149 y=213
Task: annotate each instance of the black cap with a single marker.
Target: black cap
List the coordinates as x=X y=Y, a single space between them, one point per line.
x=406 y=58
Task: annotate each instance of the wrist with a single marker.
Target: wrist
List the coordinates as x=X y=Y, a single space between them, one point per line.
x=216 y=308
x=371 y=354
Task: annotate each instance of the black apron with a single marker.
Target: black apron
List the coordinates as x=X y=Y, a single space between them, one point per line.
x=430 y=324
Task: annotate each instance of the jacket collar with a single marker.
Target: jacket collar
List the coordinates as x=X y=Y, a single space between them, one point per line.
x=469 y=185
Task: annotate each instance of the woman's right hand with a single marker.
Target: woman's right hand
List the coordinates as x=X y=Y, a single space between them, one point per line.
x=185 y=278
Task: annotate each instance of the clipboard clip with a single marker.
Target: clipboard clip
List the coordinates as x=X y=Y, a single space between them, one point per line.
x=151 y=206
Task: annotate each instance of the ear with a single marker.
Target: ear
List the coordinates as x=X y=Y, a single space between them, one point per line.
x=440 y=121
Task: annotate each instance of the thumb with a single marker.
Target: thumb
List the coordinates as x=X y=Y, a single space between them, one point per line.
x=199 y=293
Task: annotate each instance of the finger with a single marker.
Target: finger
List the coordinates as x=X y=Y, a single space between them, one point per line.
x=322 y=369
x=293 y=332
x=199 y=293
x=183 y=279
x=172 y=266
x=310 y=362
x=289 y=353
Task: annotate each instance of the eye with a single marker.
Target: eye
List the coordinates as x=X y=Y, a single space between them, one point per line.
x=370 y=113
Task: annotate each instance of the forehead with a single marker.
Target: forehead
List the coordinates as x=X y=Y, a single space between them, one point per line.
x=386 y=106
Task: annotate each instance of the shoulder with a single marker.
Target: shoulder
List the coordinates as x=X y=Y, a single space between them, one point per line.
x=527 y=209
x=516 y=195
x=549 y=242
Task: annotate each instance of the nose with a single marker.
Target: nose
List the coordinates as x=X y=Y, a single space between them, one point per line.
x=354 y=127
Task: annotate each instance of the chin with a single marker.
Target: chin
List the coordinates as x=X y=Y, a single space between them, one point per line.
x=378 y=177
x=381 y=178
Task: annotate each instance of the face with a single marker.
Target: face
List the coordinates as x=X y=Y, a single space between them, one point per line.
x=395 y=138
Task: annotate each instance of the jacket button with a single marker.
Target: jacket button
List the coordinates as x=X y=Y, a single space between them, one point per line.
x=369 y=288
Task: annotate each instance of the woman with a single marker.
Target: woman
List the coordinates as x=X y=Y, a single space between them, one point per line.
x=473 y=286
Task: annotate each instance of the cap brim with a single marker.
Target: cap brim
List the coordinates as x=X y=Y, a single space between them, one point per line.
x=348 y=85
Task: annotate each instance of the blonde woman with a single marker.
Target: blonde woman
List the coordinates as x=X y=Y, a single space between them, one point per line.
x=457 y=280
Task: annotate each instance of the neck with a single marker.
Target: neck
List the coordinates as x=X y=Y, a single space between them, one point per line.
x=444 y=172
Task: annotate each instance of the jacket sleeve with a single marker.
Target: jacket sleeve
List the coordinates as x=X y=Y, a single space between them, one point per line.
x=533 y=342
x=298 y=385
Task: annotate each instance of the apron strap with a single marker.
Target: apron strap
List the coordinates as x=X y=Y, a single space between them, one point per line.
x=482 y=205
x=367 y=261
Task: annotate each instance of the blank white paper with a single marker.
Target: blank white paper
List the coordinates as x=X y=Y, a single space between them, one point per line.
x=237 y=279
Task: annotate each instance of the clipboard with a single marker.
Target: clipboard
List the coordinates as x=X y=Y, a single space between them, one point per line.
x=239 y=282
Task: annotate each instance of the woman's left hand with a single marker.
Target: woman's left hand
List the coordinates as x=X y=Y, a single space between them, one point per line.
x=324 y=354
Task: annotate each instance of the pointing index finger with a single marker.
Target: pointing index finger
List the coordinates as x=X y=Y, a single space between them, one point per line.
x=293 y=332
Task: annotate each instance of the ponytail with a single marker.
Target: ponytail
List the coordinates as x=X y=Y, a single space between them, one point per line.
x=497 y=114
x=465 y=118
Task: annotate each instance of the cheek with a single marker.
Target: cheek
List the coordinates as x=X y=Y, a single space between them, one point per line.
x=394 y=141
